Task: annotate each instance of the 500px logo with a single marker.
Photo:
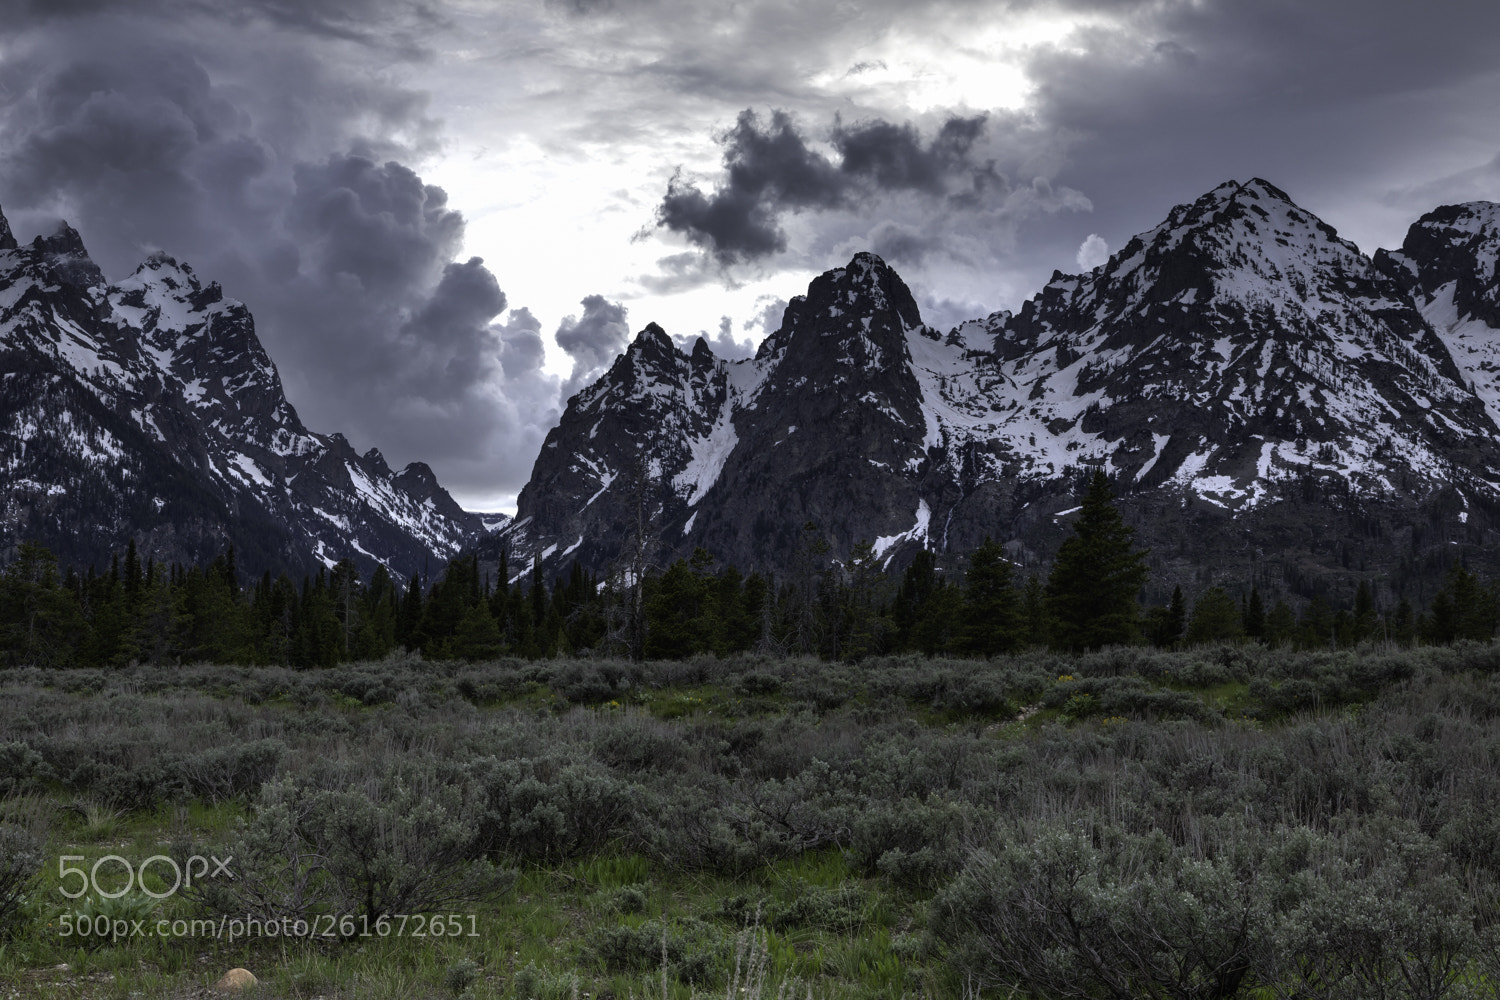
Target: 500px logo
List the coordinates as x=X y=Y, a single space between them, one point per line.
x=137 y=876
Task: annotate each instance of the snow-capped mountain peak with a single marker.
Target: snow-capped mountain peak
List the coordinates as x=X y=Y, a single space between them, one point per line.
x=149 y=408
x=1238 y=358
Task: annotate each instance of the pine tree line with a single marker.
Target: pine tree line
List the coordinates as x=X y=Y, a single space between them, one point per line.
x=156 y=613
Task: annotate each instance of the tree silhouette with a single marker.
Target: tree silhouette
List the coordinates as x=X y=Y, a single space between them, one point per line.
x=1092 y=590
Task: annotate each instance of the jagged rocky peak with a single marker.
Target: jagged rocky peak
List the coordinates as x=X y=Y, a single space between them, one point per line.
x=64 y=258
x=1242 y=242
x=702 y=354
x=65 y=240
x=148 y=409
x=377 y=461
x=1452 y=253
x=166 y=271
x=7 y=238
x=1449 y=263
x=653 y=346
x=857 y=316
x=1239 y=360
x=419 y=478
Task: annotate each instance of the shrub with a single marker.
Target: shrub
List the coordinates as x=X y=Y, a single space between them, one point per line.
x=461 y=975
x=840 y=909
x=547 y=807
x=399 y=843
x=757 y=683
x=689 y=952
x=1395 y=922
x=20 y=860
x=914 y=843
x=225 y=772
x=629 y=899
x=1099 y=912
x=22 y=769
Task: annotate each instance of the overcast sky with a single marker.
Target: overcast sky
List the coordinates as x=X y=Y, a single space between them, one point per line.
x=446 y=215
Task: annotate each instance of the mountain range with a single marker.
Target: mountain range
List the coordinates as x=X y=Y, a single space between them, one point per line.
x=1271 y=404
x=147 y=409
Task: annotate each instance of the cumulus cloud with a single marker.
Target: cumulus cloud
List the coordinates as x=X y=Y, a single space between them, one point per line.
x=592 y=340
x=722 y=341
x=768 y=319
x=773 y=168
x=894 y=158
x=277 y=176
x=768 y=170
x=522 y=351
x=1093 y=252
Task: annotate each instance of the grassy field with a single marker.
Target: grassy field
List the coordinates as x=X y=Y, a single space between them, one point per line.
x=753 y=828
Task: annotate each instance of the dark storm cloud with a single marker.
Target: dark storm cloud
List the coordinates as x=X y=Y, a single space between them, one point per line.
x=262 y=174
x=1338 y=103
x=406 y=336
x=769 y=170
x=452 y=331
x=894 y=158
x=592 y=340
x=371 y=22
x=137 y=140
x=26 y=11
x=375 y=224
x=772 y=169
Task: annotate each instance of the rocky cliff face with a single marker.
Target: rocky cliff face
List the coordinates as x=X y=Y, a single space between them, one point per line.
x=148 y=409
x=1267 y=399
x=1450 y=265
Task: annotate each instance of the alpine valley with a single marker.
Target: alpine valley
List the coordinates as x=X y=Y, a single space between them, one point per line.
x=1271 y=404
x=148 y=410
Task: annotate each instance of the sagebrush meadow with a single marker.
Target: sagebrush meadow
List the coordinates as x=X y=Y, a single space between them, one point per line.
x=1216 y=822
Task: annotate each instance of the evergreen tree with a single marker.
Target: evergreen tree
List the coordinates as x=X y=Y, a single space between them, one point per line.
x=1281 y=625
x=379 y=608
x=1034 y=631
x=40 y=622
x=1091 y=592
x=1404 y=624
x=478 y=636
x=132 y=576
x=917 y=584
x=991 y=616
x=673 y=606
x=1215 y=618
x=865 y=626
x=1164 y=624
x=1463 y=608
x=1366 y=619
x=1315 y=630
x=747 y=612
x=1255 y=615
x=409 y=621
x=1177 y=613
x=346 y=594
x=939 y=629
